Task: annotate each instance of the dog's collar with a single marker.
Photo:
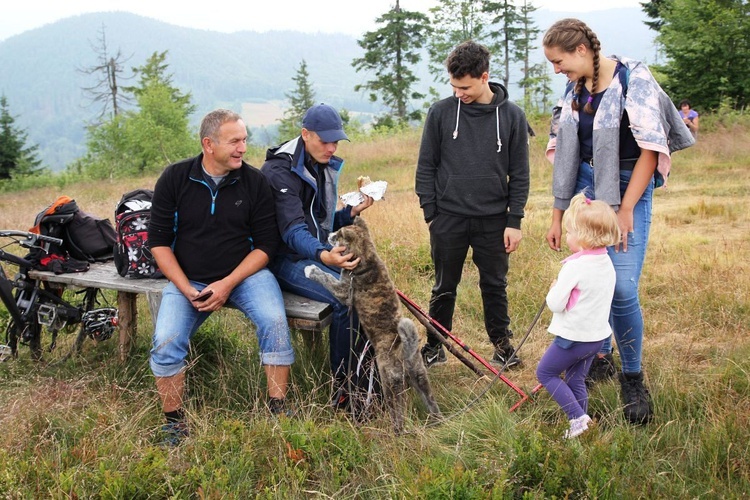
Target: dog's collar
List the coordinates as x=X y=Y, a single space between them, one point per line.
x=351 y=272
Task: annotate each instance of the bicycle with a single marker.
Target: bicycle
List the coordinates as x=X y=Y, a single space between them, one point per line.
x=34 y=305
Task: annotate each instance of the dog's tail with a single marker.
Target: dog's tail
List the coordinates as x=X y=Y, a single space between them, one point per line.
x=407 y=330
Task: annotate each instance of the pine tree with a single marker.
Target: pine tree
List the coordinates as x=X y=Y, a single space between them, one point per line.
x=505 y=31
x=390 y=52
x=16 y=158
x=300 y=100
x=453 y=22
x=524 y=44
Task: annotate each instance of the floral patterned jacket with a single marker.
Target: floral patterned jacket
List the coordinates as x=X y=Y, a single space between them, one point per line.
x=654 y=121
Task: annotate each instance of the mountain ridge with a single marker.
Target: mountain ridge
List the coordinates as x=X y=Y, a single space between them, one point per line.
x=43 y=83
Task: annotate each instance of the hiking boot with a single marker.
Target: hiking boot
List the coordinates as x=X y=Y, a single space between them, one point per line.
x=505 y=356
x=577 y=426
x=277 y=407
x=602 y=368
x=174 y=433
x=635 y=396
x=340 y=398
x=433 y=355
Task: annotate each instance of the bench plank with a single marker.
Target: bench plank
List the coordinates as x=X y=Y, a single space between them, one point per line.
x=302 y=313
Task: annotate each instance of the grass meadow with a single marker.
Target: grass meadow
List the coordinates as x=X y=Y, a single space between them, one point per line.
x=88 y=428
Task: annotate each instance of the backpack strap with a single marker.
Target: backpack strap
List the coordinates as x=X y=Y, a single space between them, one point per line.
x=624 y=74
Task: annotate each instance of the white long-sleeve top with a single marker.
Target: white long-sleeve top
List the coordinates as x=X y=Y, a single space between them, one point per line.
x=581 y=298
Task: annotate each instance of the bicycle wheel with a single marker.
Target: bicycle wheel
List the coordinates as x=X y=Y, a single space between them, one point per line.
x=11 y=338
x=31 y=335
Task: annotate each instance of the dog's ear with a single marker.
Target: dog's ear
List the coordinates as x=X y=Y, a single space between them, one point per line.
x=360 y=222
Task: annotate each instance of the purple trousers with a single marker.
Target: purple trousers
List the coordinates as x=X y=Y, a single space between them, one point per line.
x=570 y=391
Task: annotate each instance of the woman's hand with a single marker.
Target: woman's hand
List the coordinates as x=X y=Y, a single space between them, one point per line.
x=625 y=222
x=554 y=235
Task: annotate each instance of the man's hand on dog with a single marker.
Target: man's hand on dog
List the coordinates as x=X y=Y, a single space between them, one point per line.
x=337 y=257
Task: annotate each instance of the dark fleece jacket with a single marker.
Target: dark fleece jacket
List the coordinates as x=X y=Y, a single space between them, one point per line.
x=211 y=230
x=474 y=159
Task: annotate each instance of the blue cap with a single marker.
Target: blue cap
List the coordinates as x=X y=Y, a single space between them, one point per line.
x=325 y=121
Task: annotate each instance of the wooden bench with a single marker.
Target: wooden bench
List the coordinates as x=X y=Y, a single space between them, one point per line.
x=302 y=314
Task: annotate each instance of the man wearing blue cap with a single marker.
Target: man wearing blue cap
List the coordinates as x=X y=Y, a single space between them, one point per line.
x=303 y=174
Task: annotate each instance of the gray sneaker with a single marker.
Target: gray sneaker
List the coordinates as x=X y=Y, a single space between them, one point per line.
x=504 y=356
x=278 y=407
x=174 y=433
x=433 y=355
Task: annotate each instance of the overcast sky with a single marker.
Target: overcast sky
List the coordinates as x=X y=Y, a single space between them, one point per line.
x=352 y=17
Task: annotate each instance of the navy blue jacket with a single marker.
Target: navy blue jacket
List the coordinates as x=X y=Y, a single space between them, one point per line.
x=304 y=229
x=211 y=230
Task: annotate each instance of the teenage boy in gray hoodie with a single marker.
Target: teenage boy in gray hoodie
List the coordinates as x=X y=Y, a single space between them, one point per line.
x=473 y=182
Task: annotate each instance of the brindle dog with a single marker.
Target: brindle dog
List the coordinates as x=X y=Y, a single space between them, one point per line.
x=372 y=293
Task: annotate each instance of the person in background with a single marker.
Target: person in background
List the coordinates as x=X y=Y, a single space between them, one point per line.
x=212 y=233
x=580 y=300
x=690 y=117
x=303 y=174
x=472 y=180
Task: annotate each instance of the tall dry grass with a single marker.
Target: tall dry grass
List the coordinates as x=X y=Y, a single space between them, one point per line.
x=88 y=428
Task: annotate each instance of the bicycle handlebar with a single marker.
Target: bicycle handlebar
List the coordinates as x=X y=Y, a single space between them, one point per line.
x=31 y=238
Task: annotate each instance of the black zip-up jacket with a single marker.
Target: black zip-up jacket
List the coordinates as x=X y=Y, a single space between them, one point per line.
x=474 y=159
x=211 y=230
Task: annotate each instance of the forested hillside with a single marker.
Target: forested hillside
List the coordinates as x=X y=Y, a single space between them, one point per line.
x=44 y=82
x=41 y=69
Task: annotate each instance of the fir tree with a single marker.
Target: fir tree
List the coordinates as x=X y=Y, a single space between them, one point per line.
x=300 y=100
x=453 y=22
x=16 y=158
x=391 y=52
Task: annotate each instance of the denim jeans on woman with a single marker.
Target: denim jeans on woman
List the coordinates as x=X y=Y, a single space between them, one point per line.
x=258 y=297
x=626 y=317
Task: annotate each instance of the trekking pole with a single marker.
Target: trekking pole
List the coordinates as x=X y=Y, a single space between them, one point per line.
x=519 y=402
x=523 y=340
x=426 y=322
x=445 y=333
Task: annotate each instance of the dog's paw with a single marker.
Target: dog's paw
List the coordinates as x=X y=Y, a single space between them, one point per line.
x=310 y=271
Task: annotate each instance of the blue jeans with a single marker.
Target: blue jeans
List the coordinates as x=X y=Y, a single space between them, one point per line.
x=258 y=297
x=626 y=317
x=291 y=277
x=570 y=393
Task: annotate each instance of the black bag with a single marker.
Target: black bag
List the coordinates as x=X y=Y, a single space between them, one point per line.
x=132 y=254
x=89 y=238
x=85 y=236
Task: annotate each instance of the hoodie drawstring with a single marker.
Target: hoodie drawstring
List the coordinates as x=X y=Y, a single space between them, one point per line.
x=458 y=111
x=497 y=125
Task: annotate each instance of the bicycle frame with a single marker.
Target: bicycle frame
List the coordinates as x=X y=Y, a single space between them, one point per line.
x=31 y=304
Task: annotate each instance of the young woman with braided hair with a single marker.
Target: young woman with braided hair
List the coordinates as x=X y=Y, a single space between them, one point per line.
x=608 y=138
